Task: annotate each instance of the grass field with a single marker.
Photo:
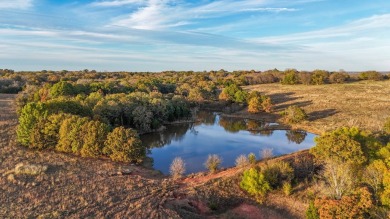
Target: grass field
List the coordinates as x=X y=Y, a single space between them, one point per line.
x=365 y=104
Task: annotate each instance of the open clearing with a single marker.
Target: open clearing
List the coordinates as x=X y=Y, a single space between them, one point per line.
x=365 y=104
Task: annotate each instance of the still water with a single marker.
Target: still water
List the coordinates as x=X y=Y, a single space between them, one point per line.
x=224 y=136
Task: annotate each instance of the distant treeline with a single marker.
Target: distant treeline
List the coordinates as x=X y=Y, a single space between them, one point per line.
x=13 y=82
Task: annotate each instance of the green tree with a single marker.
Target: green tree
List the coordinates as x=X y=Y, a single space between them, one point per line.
x=255 y=183
x=94 y=135
x=124 y=145
x=30 y=114
x=294 y=114
x=70 y=134
x=290 y=77
x=338 y=147
x=62 y=88
x=312 y=211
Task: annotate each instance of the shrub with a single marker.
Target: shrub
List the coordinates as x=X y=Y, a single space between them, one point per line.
x=294 y=114
x=357 y=205
x=124 y=145
x=213 y=162
x=94 y=134
x=287 y=188
x=70 y=135
x=242 y=161
x=266 y=153
x=386 y=126
x=338 y=77
x=177 y=168
x=312 y=212
x=278 y=172
x=62 y=88
x=255 y=183
x=371 y=75
x=290 y=77
x=252 y=158
x=319 y=77
x=30 y=114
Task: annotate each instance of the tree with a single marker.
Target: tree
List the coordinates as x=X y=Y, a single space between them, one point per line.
x=213 y=162
x=62 y=88
x=177 y=168
x=339 y=178
x=71 y=138
x=338 y=147
x=30 y=114
x=319 y=77
x=242 y=161
x=290 y=77
x=94 y=135
x=294 y=114
x=124 y=145
x=312 y=211
x=254 y=105
x=278 y=173
x=255 y=183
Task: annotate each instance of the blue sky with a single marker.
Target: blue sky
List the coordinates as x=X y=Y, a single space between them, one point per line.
x=156 y=35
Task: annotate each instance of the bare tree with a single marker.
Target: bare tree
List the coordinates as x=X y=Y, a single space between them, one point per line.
x=177 y=168
x=266 y=153
x=242 y=161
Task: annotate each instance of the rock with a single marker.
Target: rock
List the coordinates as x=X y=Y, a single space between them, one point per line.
x=30 y=169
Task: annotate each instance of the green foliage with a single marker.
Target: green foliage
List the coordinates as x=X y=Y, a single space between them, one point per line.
x=62 y=88
x=213 y=162
x=319 y=77
x=287 y=188
x=252 y=158
x=386 y=126
x=70 y=134
x=371 y=75
x=94 y=135
x=312 y=211
x=258 y=103
x=62 y=105
x=30 y=114
x=294 y=114
x=124 y=145
x=346 y=144
x=290 y=77
x=255 y=183
x=277 y=173
x=338 y=147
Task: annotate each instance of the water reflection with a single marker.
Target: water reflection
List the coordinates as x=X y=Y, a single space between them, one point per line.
x=213 y=134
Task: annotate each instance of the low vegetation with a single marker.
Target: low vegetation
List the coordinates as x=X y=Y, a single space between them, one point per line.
x=213 y=163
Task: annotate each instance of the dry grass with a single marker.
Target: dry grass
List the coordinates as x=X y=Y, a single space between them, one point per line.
x=365 y=104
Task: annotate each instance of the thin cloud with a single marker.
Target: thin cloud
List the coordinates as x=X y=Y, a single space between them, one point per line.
x=16 y=4
x=116 y=3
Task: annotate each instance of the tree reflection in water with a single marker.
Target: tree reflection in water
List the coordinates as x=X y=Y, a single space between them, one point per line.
x=296 y=136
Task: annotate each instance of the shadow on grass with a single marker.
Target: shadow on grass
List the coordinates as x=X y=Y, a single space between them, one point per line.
x=321 y=114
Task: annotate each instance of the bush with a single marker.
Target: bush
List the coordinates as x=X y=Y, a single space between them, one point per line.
x=338 y=77
x=30 y=114
x=371 y=75
x=278 y=173
x=242 y=161
x=252 y=158
x=70 y=135
x=266 y=153
x=290 y=77
x=94 y=134
x=294 y=114
x=62 y=88
x=124 y=145
x=255 y=183
x=213 y=162
x=312 y=212
x=386 y=126
x=177 y=168
x=287 y=188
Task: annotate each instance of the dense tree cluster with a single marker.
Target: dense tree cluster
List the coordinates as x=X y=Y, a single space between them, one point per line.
x=356 y=171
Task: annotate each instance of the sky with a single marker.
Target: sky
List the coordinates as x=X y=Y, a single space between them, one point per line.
x=158 y=35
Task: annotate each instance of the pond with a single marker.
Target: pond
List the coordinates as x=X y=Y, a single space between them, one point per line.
x=225 y=136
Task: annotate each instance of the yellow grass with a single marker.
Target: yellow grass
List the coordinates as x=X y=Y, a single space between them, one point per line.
x=365 y=104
